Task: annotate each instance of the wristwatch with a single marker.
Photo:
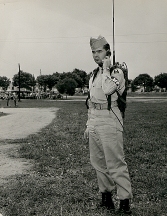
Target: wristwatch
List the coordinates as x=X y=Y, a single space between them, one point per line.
x=115 y=81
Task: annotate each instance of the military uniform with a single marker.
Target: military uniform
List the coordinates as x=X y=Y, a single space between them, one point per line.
x=8 y=98
x=15 y=99
x=105 y=133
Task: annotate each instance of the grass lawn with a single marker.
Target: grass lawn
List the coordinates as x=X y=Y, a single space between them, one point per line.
x=147 y=94
x=62 y=181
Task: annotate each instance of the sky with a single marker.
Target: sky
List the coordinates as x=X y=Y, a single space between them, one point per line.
x=50 y=36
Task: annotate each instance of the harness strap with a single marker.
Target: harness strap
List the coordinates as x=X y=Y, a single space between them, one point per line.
x=121 y=98
x=95 y=73
x=109 y=102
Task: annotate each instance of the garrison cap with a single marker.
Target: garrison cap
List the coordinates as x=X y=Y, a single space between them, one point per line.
x=97 y=43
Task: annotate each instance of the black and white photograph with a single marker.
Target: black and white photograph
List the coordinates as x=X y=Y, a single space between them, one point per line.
x=83 y=107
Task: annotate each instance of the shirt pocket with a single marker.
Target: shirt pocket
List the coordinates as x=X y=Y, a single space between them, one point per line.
x=99 y=95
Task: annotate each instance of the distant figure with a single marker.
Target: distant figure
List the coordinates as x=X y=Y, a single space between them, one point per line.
x=14 y=99
x=8 y=99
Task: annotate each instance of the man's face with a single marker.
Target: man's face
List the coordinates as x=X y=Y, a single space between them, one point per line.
x=98 y=55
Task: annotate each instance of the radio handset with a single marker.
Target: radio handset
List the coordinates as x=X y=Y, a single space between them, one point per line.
x=108 y=53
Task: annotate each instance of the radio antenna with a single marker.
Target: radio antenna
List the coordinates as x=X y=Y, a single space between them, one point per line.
x=113 y=38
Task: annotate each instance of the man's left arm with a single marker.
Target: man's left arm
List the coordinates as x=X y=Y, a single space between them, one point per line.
x=110 y=83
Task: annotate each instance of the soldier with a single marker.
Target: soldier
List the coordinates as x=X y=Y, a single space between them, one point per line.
x=8 y=97
x=105 y=127
x=15 y=99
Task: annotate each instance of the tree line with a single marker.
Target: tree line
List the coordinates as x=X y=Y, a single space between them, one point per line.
x=149 y=83
x=67 y=82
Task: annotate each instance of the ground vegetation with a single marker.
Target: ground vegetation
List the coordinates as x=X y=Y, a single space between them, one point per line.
x=62 y=180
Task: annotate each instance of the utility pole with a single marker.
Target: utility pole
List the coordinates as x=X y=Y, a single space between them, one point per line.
x=19 y=83
x=33 y=83
x=113 y=37
x=123 y=66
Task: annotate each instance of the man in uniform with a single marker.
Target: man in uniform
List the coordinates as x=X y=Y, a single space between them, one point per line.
x=14 y=99
x=8 y=97
x=105 y=127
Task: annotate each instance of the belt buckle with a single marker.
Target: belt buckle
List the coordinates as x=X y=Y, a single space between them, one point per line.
x=95 y=107
x=100 y=106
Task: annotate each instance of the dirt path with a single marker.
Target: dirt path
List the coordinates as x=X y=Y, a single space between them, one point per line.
x=19 y=123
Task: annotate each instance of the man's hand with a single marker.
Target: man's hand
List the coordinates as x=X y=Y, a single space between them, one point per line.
x=106 y=62
x=86 y=133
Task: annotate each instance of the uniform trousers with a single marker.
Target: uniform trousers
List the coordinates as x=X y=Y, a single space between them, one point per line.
x=106 y=151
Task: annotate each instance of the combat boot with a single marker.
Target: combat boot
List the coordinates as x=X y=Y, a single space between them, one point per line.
x=107 y=201
x=125 y=207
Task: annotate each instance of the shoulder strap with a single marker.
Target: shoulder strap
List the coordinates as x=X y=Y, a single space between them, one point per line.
x=109 y=96
x=121 y=98
x=109 y=102
x=95 y=73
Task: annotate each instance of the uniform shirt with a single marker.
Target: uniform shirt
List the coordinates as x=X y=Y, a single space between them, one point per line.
x=105 y=84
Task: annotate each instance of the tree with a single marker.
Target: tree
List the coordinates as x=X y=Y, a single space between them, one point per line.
x=51 y=80
x=33 y=83
x=83 y=77
x=48 y=81
x=78 y=80
x=56 y=77
x=161 y=80
x=26 y=80
x=74 y=76
x=67 y=86
x=4 y=82
x=42 y=81
x=87 y=79
x=63 y=76
x=143 y=80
